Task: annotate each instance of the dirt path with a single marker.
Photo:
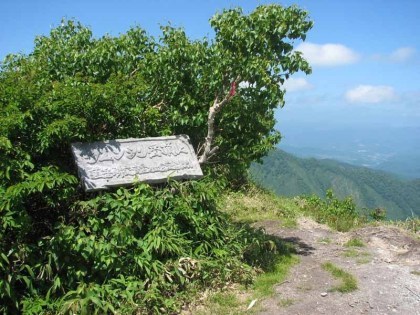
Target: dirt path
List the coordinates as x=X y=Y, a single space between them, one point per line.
x=387 y=271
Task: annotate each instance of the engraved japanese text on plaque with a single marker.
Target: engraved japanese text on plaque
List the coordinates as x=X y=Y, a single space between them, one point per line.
x=106 y=164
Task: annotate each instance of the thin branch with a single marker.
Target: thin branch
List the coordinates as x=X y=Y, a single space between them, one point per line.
x=159 y=105
x=200 y=148
x=134 y=71
x=414 y=293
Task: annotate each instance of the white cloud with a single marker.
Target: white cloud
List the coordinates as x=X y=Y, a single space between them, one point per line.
x=297 y=84
x=328 y=54
x=371 y=94
x=402 y=54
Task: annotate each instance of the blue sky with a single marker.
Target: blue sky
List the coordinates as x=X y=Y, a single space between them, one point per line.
x=365 y=54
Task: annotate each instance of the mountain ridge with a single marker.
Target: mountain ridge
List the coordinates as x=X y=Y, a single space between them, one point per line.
x=288 y=175
x=403 y=164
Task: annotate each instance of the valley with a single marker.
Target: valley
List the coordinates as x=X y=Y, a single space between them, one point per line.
x=288 y=175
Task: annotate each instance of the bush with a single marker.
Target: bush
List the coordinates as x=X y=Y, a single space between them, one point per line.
x=378 y=214
x=339 y=214
x=139 y=248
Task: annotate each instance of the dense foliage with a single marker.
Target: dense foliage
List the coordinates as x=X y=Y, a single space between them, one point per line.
x=288 y=175
x=139 y=248
x=74 y=87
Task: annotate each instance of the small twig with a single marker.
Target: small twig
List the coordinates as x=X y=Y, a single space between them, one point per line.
x=287 y=281
x=199 y=148
x=159 y=105
x=134 y=71
x=418 y=296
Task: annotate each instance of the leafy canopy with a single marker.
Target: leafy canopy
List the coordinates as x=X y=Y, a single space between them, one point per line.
x=74 y=87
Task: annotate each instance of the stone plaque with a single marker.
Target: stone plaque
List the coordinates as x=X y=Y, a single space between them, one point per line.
x=106 y=164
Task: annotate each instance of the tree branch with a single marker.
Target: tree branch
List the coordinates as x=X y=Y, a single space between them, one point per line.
x=208 y=151
x=159 y=105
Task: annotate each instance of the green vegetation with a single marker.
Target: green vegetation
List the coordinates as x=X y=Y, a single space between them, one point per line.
x=348 y=282
x=415 y=272
x=354 y=242
x=287 y=175
x=221 y=303
x=252 y=204
x=325 y=240
x=378 y=214
x=236 y=301
x=264 y=285
x=225 y=300
x=147 y=249
x=340 y=215
x=141 y=249
x=286 y=302
x=351 y=253
x=354 y=251
x=361 y=257
x=411 y=224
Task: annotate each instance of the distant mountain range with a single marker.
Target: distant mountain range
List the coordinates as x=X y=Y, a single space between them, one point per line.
x=405 y=165
x=288 y=175
x=391 y=149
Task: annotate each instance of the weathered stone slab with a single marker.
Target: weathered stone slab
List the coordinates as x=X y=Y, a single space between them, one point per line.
x=112 y=163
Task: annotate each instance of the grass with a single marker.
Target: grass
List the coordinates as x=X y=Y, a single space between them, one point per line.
x=325 y=240
x=361 y=256
x=348 y=281
x=351 y=253
x=248 y=206
x=339 y=214
x=415 y=272
x=264 y=284
x=412 y=225
x=222 y=303
x=354 y=242
x=225 y=299
x=286 y=302
x=237 y=301
x=289 y=222
x=255 y=204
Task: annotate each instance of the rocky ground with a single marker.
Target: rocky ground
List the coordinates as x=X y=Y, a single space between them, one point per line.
x=387 y=269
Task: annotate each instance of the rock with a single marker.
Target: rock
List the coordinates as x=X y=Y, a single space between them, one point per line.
x=324 y=294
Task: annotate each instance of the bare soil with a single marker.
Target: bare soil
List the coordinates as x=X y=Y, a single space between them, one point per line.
x=387 y=270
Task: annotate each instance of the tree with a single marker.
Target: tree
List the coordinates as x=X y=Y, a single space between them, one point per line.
x=222 y=92
x=74 y=87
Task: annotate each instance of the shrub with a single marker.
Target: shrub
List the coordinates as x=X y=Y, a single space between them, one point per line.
x=378 y=214
x=138 y=248
x=339 y=214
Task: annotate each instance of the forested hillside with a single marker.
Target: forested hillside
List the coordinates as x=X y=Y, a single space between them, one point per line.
x=288 y=175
